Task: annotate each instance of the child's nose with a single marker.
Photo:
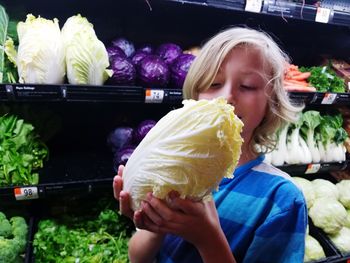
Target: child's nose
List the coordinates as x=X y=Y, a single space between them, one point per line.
x=229 y=93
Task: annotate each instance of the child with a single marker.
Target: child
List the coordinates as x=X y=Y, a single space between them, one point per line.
x=259 y=215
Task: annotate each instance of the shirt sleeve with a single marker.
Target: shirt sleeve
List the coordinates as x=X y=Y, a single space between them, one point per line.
x=281 y=238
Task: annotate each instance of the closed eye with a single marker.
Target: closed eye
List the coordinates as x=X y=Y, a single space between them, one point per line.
x=245 y=87
x=215 y=85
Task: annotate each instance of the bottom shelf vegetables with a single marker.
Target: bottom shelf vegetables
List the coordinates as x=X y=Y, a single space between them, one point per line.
x=13 y=238
x=82 y=239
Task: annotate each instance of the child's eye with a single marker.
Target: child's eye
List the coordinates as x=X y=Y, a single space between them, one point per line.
x=215 y=85
x=245 y=87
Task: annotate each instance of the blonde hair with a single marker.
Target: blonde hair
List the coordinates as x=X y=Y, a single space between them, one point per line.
x=206 y=66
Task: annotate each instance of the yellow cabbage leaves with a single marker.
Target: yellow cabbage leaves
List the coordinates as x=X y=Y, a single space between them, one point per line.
x=189 y=151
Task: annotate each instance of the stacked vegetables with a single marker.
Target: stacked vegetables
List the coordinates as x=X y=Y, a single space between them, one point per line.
x=45 y=53
x=22 y=152
x=311 y=79
x=124 y=139
x=13 y=238
x=313 y=138
x=83 y=239
x=329 y=208
x=295 y=80
x=164 y=66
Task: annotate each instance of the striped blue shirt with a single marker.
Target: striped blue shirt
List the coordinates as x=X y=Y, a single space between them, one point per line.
x=262 y=213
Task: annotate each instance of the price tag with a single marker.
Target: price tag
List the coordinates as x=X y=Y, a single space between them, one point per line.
x=253 y=6
x=26 y=193
x=329 y=98
x=312 y=168
x=322 y=15
x=154 y=96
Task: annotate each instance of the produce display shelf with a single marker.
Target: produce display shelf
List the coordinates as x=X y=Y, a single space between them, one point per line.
x=70 y=93
x=327 y=13
x=321 y=98
x=75 y=173
x=132 y=94
x=306 y=169
x=75 y=178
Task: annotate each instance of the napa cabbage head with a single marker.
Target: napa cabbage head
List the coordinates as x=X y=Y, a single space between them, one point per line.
x=86 y=55
x=189 y=151
x=40 y=56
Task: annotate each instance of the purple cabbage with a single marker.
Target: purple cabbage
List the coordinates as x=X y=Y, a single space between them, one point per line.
x=169 y=52
x=146 y=48
x=179 y=69
x=114 y=51
x=153 y=71
x=122 y=156
x=120 y=137
x=125 y=45
x=124 y=71
x=142 y=129
x=138 y=56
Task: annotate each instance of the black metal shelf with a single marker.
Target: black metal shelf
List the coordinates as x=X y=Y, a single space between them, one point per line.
x=132 y=94
x=285 y=9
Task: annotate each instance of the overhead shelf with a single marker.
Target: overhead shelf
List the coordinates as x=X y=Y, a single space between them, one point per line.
x=326 y=12
x=132 y=94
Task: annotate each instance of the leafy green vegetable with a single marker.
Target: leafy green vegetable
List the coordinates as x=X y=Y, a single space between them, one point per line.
x=4 y=21
x=324 y=79
x=82 y=239
x=22 y=153
x=8 y=53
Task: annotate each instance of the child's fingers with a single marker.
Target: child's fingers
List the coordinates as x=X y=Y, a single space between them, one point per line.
x=124 y=205
x=120 y=170
x=117 y=186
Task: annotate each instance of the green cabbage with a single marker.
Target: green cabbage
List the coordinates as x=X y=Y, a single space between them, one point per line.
x=40 y=56
x=307 y=188
x=328 y=214
x=342 y=240
x=324 y=188
x=189 y=151
x=313 y=249
x=344 y=192
x=86 y=55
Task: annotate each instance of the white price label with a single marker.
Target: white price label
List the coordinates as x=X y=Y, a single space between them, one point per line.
x=322 y=15
x=312 y=168
x=253 y=6
x=26 y=193
x=329 y=98
x=154 y=96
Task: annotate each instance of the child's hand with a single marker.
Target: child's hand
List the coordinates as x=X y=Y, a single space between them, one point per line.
x=195 y=221
x=122 y=196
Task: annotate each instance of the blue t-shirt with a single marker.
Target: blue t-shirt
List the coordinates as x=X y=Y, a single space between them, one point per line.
x=262 y=213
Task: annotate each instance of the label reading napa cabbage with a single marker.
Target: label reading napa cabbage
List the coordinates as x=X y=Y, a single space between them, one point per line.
x=189 y=151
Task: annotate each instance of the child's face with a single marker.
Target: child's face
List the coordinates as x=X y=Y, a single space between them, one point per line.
x=241 y=81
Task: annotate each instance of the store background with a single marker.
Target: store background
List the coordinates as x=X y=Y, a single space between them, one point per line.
x=80 y=169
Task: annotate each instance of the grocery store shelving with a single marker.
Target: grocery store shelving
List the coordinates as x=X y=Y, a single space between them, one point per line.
x=132 y=94
x=323 y=13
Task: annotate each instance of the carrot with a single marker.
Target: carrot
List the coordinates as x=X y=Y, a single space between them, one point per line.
x=299 y=88
x=302 y=76
x=296 y=82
